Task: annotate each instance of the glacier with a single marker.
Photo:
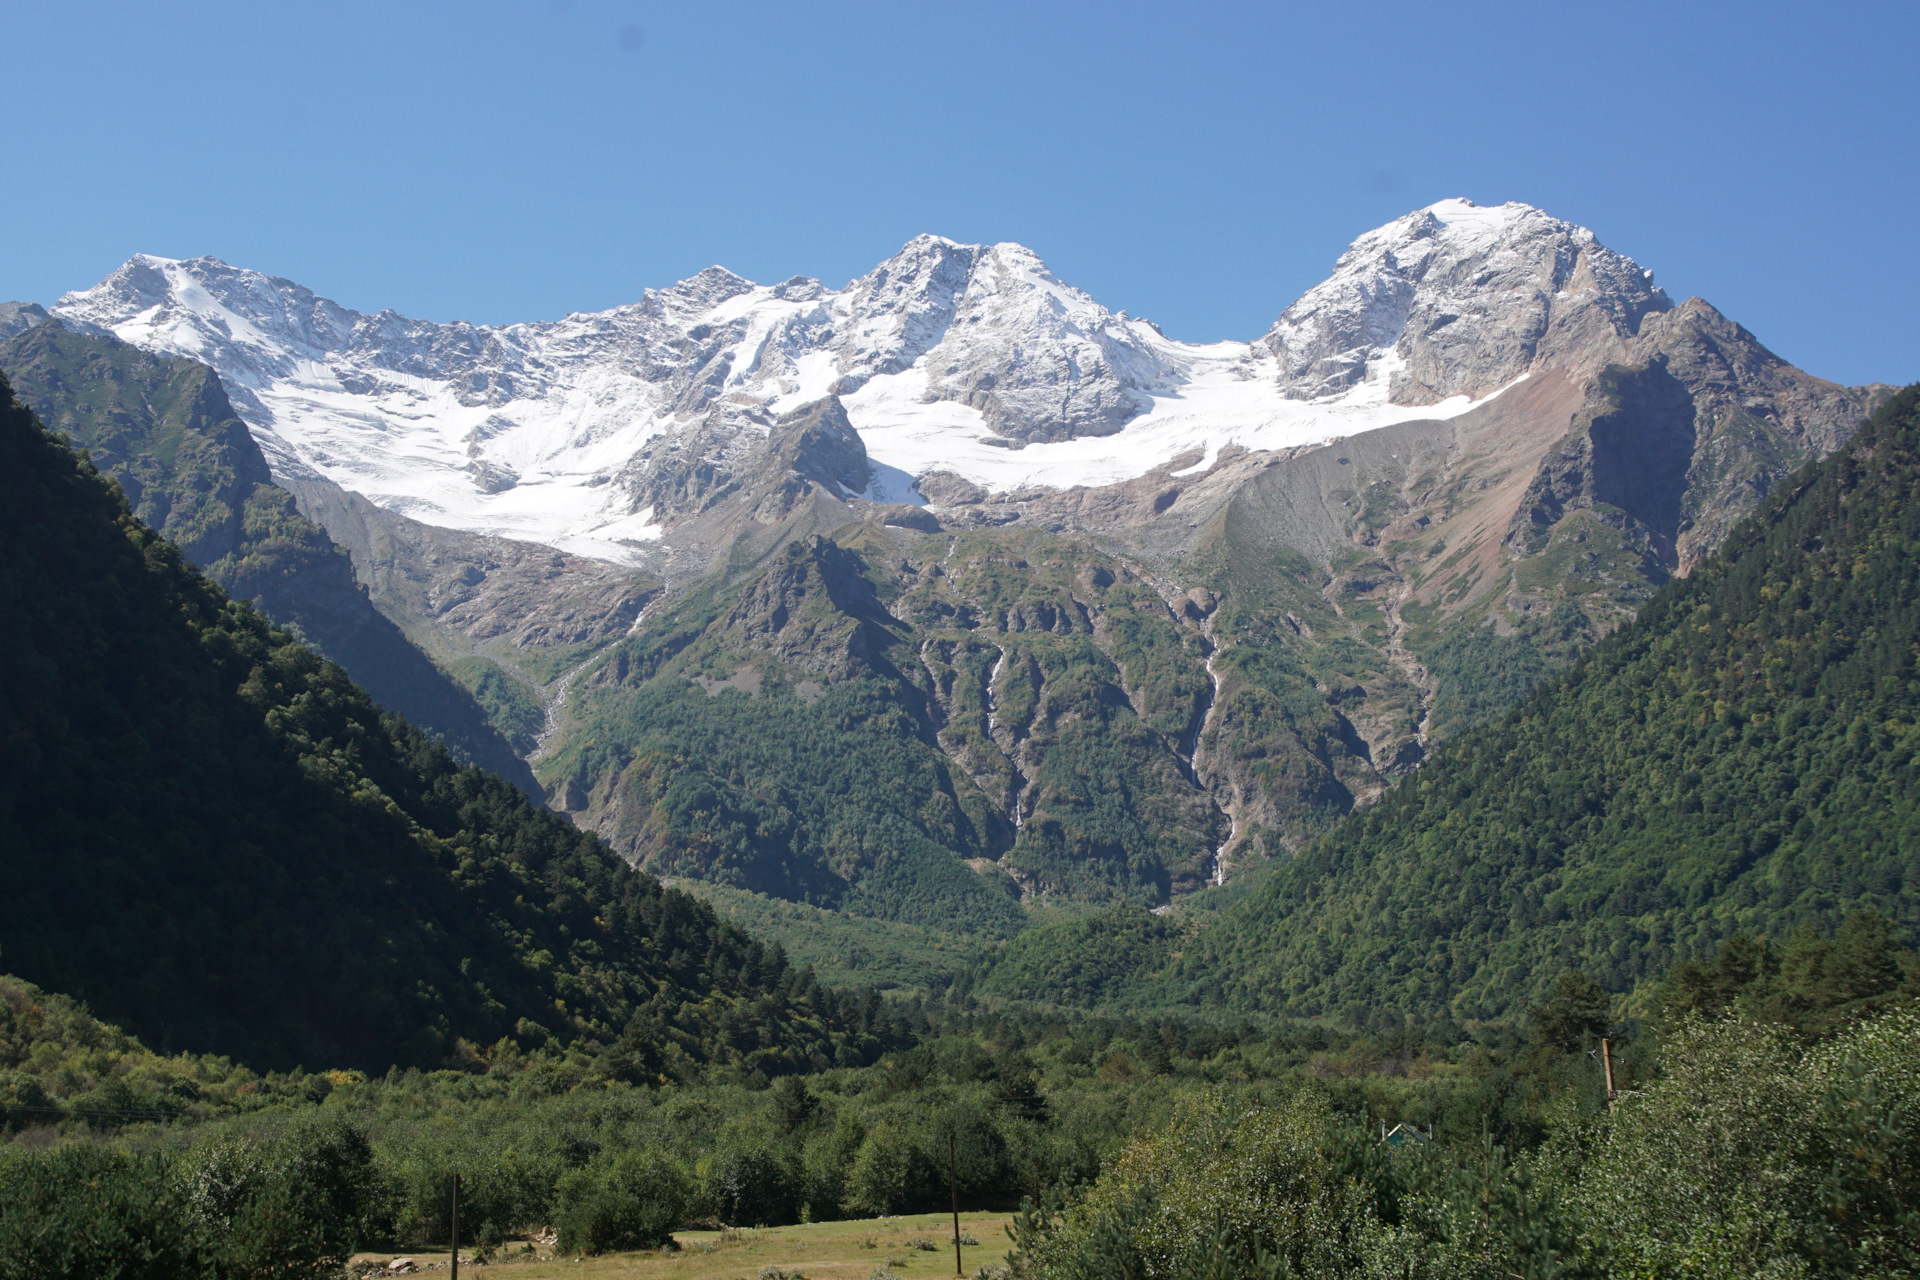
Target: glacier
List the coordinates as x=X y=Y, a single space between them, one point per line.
x=968 y=359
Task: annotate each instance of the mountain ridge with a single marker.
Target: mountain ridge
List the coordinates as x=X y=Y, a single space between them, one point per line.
x=1330 y=597
x=166 y=432
x=218 y=841
x=939 y=350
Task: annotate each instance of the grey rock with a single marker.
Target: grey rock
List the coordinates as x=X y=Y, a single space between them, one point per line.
x=1457 y=300
x=18 y=317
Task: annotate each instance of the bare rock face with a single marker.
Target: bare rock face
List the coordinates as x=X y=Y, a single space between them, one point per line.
x=1695 y=425
x=815 y=444
x=770 y=462
x=1458 y=300
x=18 y=317
x=814 y=610
x=459 y=592
x=998 y=332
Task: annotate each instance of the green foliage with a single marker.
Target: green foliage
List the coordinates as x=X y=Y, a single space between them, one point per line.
x=162 y=427
x=217 y=840
x=1082 y=960
x=836 y=803
x=293 y=1208
x=844 y=949
x=629 y=1201
x=1753 y=1158
x=1477 y=674
x=165 y=431
x=1813 y=984
x=512 y=705
x=752 y=1184
x=84 y=1213
x=845 y=726
x=1267 y=1180
x=1731 y=761
x=1575 y=1014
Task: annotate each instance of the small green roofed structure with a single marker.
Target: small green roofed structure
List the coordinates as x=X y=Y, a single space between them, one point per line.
x=1403 y=1134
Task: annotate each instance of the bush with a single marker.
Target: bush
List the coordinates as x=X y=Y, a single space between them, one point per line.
x=507 y=1183
x=290 y=1208
x=1263 y=1178
x=1753 y=1158
x=83 y=1213
x=753 y=1187
x=631 y=1201
x=890 y=1174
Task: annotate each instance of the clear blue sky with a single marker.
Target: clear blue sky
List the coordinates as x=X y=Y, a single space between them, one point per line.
x=1198 y=164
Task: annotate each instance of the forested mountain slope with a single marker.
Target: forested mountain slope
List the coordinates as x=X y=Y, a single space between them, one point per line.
x=213 y=837
x=164 y=429
x=1740 y=758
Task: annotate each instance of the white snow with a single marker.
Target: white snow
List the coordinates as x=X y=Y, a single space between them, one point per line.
x=531 y=430
x=1218 y=406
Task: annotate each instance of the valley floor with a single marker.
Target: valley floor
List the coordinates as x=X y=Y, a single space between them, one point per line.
x=861 y=1247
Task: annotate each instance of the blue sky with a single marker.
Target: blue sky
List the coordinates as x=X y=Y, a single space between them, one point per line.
x=1198 y=164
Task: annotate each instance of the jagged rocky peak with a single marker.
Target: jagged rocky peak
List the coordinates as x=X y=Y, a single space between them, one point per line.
x=1456 y=299
x=18 y=317
x=1002 y=334
x=742 y=449
x=948 y=358
x=247 y=324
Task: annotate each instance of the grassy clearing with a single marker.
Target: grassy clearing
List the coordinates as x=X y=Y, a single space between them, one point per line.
x=852 y=1250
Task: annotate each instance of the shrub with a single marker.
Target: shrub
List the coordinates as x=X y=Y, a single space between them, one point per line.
x=1263 y=1178
x=631 y=1201
x=289 y=1208
x=83 y=1213
x=753 y=1187
x=1753 y=1158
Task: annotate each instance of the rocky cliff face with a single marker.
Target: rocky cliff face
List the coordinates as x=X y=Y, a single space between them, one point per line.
x=1455 y=299
x=18 y=317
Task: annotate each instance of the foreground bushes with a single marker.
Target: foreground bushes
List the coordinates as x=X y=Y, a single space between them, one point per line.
x=1754 y=1156
x=288 y=1209
x=632 y=1200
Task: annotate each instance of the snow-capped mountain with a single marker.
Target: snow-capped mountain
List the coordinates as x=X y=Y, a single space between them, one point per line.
x=1454 y=299
x=968 y=359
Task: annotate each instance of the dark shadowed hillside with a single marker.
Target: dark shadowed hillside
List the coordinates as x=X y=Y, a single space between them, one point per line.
x=164 y=429
x=212 y=836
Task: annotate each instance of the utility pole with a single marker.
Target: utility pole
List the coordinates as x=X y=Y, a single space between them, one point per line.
x=1606 y=1060
x=456 y=1227
x=953 y=1183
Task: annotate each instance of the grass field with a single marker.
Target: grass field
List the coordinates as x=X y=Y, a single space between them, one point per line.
x=852 y=1250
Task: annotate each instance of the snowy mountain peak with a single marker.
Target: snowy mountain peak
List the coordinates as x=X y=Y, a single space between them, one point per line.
x=1458 y=299
x=594 y=433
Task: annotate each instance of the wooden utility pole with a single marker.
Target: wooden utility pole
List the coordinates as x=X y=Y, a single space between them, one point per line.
x=1606 y=1060
x=953 y=1183
x=456 y=1227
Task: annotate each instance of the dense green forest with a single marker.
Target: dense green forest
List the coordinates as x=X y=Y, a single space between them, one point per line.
x=1740 y=758
x=166 y=432
x=218 y=841
x=1142 y=1147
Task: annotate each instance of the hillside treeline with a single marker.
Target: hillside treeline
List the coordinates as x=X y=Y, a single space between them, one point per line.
x=219 y=842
